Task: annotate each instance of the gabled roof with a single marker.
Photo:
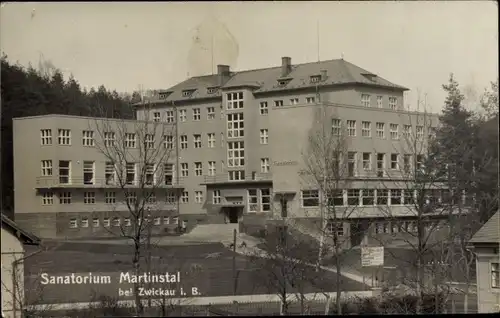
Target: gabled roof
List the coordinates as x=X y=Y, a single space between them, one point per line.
x=25 y=237
x=489 y=232
x=338 y=72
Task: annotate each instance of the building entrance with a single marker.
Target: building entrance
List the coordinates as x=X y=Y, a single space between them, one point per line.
x=233 y=214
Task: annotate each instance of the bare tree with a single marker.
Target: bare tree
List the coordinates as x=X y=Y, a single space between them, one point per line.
x=140 y=171
x=329 y=171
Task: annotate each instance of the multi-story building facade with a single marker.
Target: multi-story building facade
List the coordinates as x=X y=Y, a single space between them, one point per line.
x=239 y=140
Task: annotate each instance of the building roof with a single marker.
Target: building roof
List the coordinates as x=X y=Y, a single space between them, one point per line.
x=338 y=72
x=489 y=232
x=25 y=237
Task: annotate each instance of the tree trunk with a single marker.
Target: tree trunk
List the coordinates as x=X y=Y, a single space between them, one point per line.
x=338 y=278
x=418 y=306
x=321 y=243
x=327 y=305
x=136 y=263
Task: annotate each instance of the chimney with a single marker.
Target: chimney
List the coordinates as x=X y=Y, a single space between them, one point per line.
x=286 y=66
x=223 y=73
x=323 y=75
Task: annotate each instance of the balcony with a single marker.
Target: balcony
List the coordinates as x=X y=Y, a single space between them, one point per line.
x=54 y=182
x=252 y=178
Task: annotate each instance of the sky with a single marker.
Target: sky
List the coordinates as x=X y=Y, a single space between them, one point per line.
x=132 y=45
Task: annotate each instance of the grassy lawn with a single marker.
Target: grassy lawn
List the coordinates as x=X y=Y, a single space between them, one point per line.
x=208 y=267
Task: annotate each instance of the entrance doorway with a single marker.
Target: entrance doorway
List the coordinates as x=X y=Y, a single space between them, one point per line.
x=233 y=214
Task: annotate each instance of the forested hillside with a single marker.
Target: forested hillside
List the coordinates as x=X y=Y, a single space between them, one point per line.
x=30 y=92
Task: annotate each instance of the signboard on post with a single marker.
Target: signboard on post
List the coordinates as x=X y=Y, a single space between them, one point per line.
x=372 y=256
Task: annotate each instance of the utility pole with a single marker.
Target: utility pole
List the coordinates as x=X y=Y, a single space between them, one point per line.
x=149 y=250
x=235 y=279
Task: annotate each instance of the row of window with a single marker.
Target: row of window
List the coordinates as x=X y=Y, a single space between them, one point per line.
x=377 y=197
x=153 y=173
x=110 y=197
x=380 y=129
x=366 y=101
x=235 y=129
x=117 y=222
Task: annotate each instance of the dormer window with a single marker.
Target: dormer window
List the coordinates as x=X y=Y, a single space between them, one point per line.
x=315 y=79
x=283 y=81
x=188 y=93
x=164 y=95
x=211 y=90
x=370 y=76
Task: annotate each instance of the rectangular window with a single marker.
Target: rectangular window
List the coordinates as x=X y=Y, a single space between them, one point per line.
x=408 y=196
x=211 y=140
x=351 y=164
x=169 y=116
x=175 y=220
x=197 y=141
x=394 y=161
x=182 y=115
x=130 y=140
x=265 y=200
x=351 y=128
x=211 y=168
x=130 y=171
x=235 y=125
x=380 y=164
x=278 y=103
x=184 y=141
x=116 y=222
x=88 y=138
x=310 y=100
x=89 y=197
x=46 y=168
x=196 y=114
x=109 y=139
x=495 y=275
x=396 y=196
x=168 y=141
x=336 y=127
x=380 y=130
x=127 y=222
x=106 y=222
x=156 y=116
x=64 y=171
x=95 y=222
x=365 y=100
x=264 y=136
x=237 y=175
x=64 y=137
x=353 y=196
x=264 y=165
x=367 y=161
x=157 y=220
x=335 y=197
x=366 y=129
x=88 y=172
x=406 y=131
x=150 y=197
x=210 y=113
x=184 y=169
x=235 y=154
x=149 y=141
x=263 y=108
x=110 y=197
x=394 y=131
x=310 y=198
x=73 y=223
x=48 y=198
x=168 y=173
x=65 y=198
x=171 y=197
x=46 y=137
x=149 y=173
x=131 y=198
x=185 y=197
x=294 y=101
x=216 y=198
x=382 y=195
x=198 y=196
x=379 y=101
x=368 y=197
x=420 y=163
x=234 y=100
x=166 y=220
x=420 y=132
x=335 y=227
x=198 y=169
x=393 y=103
x=110 y=173
x=253 y=203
